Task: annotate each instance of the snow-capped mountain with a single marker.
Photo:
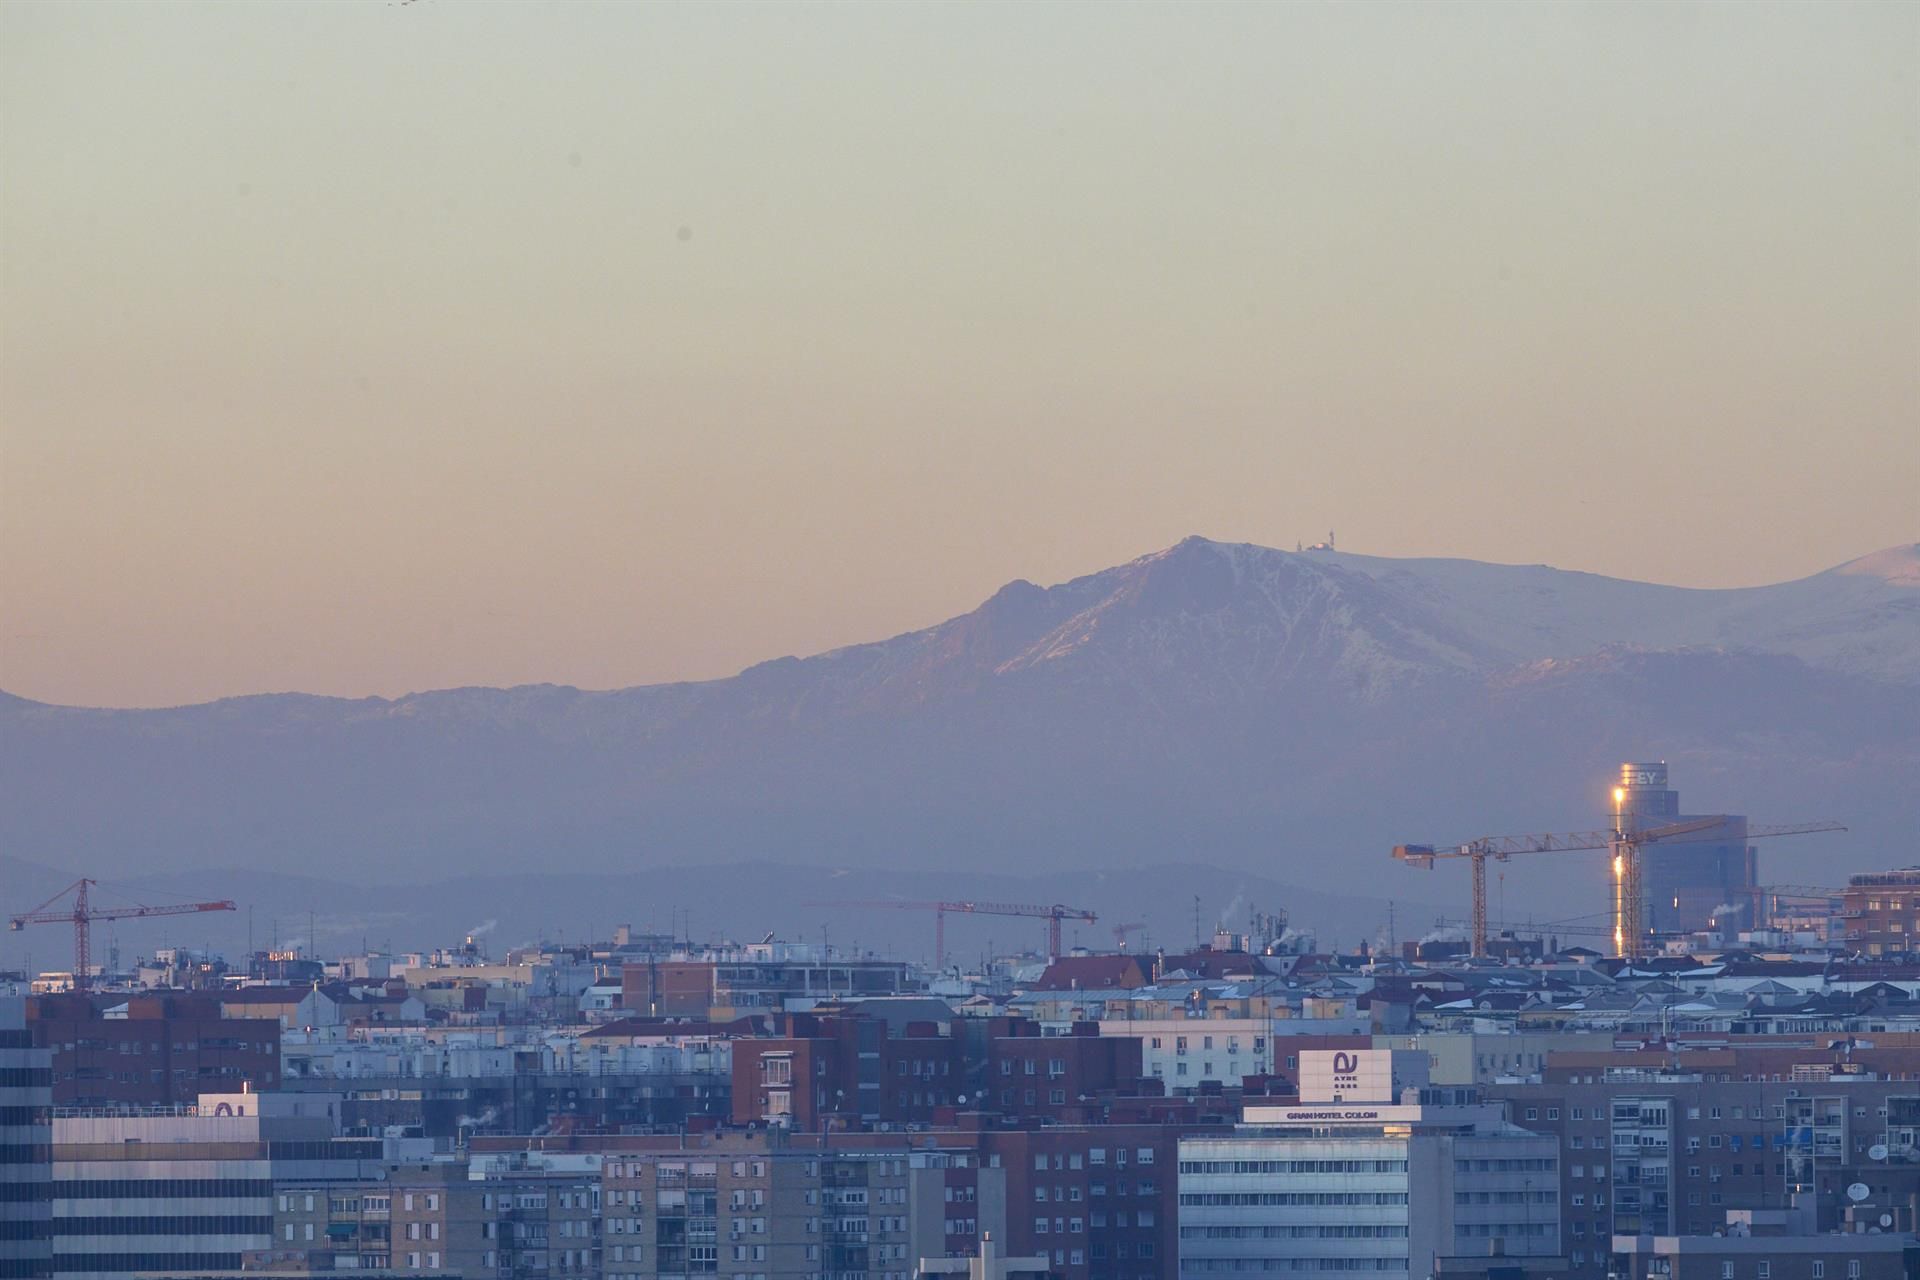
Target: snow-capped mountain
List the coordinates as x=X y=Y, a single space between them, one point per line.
x=1290 y=713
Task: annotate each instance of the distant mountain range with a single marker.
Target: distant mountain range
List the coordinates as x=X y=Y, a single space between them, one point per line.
x=1289 y=715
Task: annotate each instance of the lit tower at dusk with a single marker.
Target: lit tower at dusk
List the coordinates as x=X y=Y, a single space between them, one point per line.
x=1685 y=879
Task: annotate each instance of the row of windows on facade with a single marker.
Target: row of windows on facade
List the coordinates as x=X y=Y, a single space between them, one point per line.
x=1180 y=1068
x=414 y=1231
x=1269 y=1231
x=1631 y=1141
x=1645 y=1114
x=295 y=1202
x=632 y=1253
x=158 y=1075
x=1206 y=1042
x=164 y=1224
x=1762 y=1269
x=160 y=1188
x=1293 y=1166
x=669 y=1173
x=1074 y=1226
x=1145 y=1187
x=1192 y=1266
x=620 y=1226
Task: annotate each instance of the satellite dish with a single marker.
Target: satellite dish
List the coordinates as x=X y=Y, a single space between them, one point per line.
x=1878 y=1151
x=1886 y=1219
x=1858 y=1192
x=962 y=1099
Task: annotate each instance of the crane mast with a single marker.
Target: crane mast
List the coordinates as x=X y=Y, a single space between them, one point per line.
x=83 y=913
x=1623 y=842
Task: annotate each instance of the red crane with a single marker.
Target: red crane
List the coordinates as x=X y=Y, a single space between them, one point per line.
x=83 y=913
x=1053 y=915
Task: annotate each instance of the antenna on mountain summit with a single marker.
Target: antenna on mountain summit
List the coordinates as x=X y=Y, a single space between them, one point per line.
x=1322 y=546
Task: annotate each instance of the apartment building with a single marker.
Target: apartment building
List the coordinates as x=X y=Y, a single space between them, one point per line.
x=159 y=1050
x=1185 y=1053
x=740 y=1207
x=413 y=1217
x=1666 y=1142
x=542 y=1216
x=1880 y=912
x=1098 y=1201
x=1766 y=1245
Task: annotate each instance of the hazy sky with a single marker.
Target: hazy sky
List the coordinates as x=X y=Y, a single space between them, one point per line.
x=359 y=348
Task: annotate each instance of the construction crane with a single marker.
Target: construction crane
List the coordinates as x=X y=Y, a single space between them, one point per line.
x=1121 y=932
x=1053 y=915
x=1624 y=842
x=83 y=913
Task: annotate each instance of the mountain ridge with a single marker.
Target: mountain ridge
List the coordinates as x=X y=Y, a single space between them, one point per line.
x=1895 y=567
x=1286 y=711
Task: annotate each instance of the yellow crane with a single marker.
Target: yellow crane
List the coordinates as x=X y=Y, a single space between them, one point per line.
x=1623 y=841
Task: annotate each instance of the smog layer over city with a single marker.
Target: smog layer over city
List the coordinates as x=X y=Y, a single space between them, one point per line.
x=853 y=641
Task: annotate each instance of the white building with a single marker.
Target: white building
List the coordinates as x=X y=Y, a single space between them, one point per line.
x=1371 y=1171
x=1185 y=1052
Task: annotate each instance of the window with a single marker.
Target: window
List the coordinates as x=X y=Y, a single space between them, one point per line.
x=1853 y=1269
x=1819 y=1269
x=1766 y=1269
x=1726 y=1271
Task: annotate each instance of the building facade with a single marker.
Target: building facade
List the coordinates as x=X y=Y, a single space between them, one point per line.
x=1364 y=1176
x=26 y=1149
x=178 y=1189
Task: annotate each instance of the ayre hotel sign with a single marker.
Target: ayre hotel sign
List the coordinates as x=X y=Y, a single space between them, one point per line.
x=1358 y=1075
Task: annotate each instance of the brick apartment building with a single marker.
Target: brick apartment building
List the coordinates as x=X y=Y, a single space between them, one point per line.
x=165 y=1051
x=1098 y=1201
x=848 y=1071
x=1880 y=912
x=1664 y=1141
